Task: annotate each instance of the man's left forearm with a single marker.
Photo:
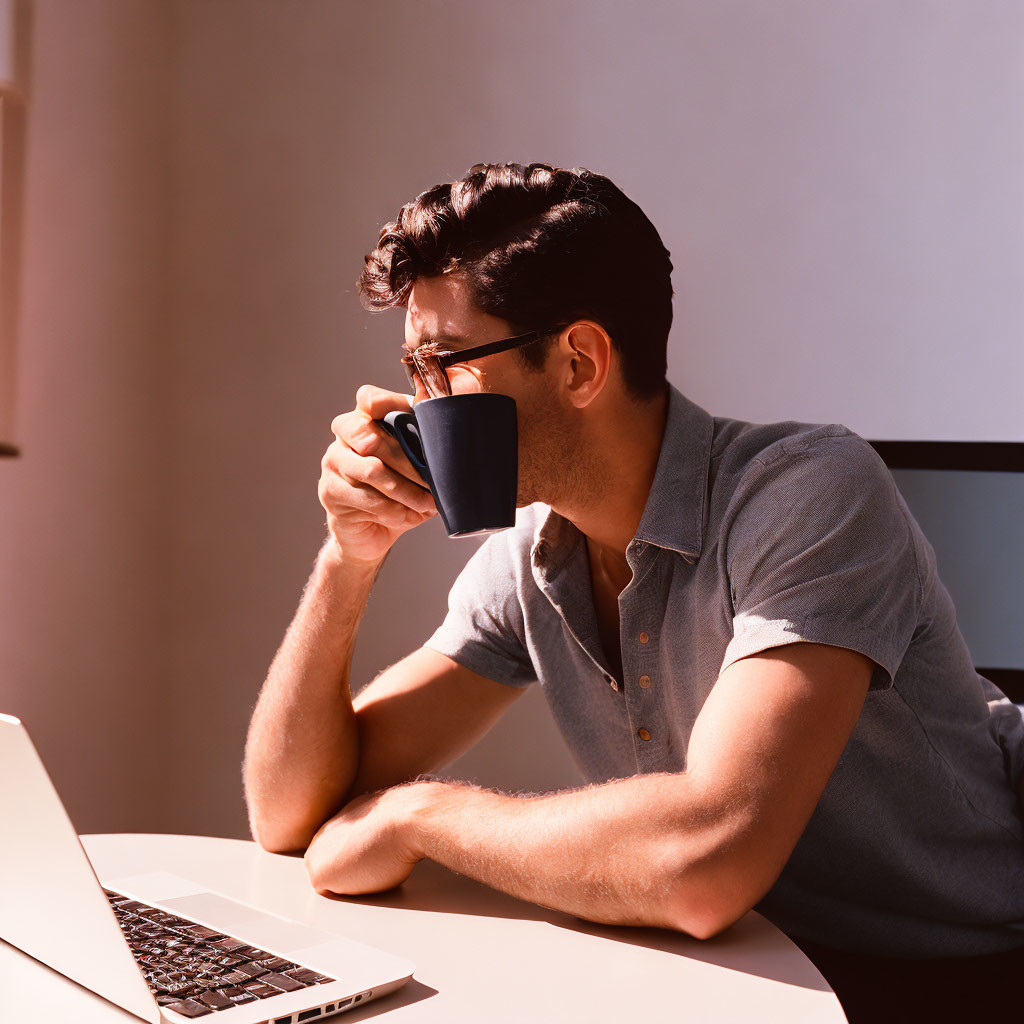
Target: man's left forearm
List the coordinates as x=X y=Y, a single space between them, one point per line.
x=632 y=851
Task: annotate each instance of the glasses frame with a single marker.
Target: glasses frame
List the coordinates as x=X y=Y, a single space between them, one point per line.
x=429 y=358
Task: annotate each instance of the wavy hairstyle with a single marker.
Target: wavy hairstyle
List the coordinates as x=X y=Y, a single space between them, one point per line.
x=538 y=246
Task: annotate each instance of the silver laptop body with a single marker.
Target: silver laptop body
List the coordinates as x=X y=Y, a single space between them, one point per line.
x=43 y=866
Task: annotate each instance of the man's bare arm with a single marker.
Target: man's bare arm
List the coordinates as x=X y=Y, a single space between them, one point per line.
x=302 y=750
x=692 y=850
x=312 y=747
x=613 y=853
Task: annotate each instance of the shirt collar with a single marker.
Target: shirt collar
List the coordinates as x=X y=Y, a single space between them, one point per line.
x=673 y=515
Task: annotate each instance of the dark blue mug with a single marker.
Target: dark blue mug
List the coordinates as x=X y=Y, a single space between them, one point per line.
x=466 y=449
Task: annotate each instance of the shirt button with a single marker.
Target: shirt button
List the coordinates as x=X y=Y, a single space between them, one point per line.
x=644 y=638
x=614 y=685
x=644 y=734
x=645 y=681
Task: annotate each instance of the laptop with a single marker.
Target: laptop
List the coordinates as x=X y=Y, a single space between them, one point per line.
x=163 y=947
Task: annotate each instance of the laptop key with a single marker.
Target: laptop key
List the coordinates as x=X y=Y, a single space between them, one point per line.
x=180 y=989
x=163 y=918
x=214 y=970
x=232 y=978
x=276 y=963
x=251 y=970
x=282 y=981
x=237 y=995
x=229 y=960
x=307 y=976
x=252 y=953
x=189 y=1008
x=200 y=931
x=261 y=991
x=215 y=1000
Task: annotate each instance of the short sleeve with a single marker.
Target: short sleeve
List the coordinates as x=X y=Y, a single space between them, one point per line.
x=819 y=548
x=483 y=629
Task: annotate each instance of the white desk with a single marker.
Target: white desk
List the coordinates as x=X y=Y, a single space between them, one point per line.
x=480 y=955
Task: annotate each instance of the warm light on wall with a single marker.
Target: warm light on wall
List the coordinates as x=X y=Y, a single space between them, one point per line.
x=13 y=14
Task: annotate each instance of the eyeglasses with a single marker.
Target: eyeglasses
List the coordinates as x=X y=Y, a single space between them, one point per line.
x=431 y=361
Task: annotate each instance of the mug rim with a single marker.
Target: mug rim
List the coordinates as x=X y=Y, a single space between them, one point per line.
x=468 y=394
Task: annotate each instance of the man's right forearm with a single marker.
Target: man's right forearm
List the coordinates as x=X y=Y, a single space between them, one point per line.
x=302 y=751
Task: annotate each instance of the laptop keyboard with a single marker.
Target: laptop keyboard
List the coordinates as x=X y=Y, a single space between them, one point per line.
x=195 y=970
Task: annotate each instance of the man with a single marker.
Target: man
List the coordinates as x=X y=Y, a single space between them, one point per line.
x=738 y=627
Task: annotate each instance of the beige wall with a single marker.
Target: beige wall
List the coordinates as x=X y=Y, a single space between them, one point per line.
x=83 y=547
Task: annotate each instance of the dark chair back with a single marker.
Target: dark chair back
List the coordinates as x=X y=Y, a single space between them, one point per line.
x=998 y=457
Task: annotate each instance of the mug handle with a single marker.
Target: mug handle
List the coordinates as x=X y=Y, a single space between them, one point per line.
x=402 y=427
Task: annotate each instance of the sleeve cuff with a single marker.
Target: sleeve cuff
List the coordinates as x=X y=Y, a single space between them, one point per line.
x=757 y=635
x=480 y=659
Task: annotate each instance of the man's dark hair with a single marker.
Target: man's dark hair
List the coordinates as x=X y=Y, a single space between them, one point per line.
x=538 y=246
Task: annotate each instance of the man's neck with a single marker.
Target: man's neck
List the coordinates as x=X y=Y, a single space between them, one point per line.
x=625 y=454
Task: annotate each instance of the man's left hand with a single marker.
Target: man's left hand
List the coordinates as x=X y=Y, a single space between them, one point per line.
x=368 y=846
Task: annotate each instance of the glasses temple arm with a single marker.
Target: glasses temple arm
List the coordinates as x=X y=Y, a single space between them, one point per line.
x=493 y=348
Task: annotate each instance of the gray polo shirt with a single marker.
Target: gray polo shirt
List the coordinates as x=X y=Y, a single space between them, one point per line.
x=753 y=536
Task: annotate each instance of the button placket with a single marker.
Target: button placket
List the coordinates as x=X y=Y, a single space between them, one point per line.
x=639 y=664
x=641 y=700
x=646 y=705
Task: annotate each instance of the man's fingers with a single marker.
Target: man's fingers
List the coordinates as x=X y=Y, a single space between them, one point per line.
x=359 y=431
x=368 y=486
x=375 y=473
x=350 y=503
x=376 y=402
x=379 y=474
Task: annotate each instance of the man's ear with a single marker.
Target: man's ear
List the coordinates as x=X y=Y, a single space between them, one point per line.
x=586 y=351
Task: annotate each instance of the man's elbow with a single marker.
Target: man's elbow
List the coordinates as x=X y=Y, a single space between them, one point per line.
x=709 y=897
x=711 y=921
x=280 y=839
x=703 y=921
x=274 y=833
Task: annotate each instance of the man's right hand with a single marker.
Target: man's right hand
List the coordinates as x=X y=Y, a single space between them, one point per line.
x=368 y=486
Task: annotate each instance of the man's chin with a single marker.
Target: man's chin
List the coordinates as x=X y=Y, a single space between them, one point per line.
x=526 y=501
x=530 y=491
x=526 y=495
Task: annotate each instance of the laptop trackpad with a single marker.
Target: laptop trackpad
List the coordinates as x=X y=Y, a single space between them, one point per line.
x=242 y=922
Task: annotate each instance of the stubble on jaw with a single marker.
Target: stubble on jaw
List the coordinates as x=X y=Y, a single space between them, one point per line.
x=555 y=465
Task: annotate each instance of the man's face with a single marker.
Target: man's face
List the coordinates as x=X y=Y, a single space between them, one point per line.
x=440 y=309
